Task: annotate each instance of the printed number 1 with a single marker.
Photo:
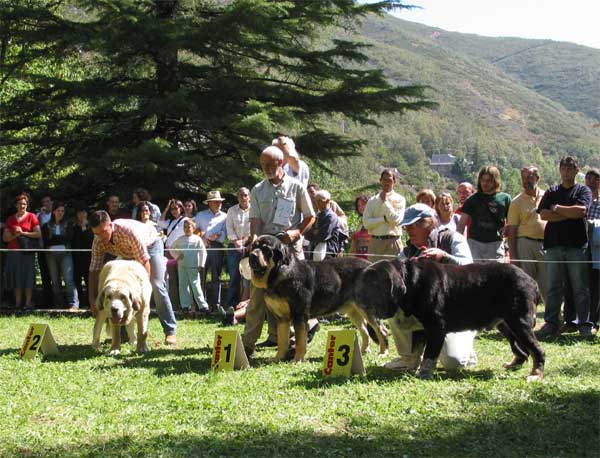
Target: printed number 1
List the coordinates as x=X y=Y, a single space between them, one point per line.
x=345 y=350
x=227 y=348
x=34 y=341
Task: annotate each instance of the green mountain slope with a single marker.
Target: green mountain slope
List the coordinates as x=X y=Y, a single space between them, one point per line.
x=503 y=101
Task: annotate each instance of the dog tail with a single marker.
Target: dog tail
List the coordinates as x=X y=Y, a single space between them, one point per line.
x=373 y=334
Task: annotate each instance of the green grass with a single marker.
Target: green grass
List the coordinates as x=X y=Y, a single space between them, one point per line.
x=168 y=402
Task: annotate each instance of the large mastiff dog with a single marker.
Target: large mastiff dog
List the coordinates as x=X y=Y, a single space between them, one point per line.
x=124 y=294
x=298 y=290
x=448 y=298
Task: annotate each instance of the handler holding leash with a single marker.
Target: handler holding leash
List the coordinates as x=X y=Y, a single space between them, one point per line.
x=135 y=240
x=441 y=245
x=278 y=204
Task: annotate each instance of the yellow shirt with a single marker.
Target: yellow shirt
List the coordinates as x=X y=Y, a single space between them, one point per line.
x=384 y=218
x=522 y=213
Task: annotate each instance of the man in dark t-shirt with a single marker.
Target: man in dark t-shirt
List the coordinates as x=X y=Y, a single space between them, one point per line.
x=565 y=206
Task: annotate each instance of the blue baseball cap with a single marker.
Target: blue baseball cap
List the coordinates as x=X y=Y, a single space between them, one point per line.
x=417 y=212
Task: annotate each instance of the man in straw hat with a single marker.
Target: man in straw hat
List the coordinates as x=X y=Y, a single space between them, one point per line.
x=212 y=224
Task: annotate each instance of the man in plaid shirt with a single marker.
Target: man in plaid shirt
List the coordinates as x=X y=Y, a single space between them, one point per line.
x=134 y=240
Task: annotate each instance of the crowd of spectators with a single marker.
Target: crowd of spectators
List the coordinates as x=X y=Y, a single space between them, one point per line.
x=553 y=235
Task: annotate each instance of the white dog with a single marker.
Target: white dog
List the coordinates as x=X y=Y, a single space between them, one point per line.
x=124 y=293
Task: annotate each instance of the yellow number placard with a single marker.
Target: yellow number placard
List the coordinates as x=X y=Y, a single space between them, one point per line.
x=228 y=351
x=342 y=354
x=39 y=337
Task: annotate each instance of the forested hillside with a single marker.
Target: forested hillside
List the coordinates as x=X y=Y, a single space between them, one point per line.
x=111 y=95
x=505 y=101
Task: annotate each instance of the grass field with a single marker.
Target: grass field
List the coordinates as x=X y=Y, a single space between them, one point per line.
x=168 y=403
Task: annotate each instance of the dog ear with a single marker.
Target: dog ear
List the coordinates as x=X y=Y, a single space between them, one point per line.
x=100 y=299
x=405 y=279
x=135 y=301
x=281 y=254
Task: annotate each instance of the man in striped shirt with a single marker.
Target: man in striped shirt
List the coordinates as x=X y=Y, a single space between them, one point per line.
x=130 y=239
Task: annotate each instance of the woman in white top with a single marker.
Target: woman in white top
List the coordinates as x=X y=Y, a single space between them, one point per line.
x=444 y=206
x=172 y=227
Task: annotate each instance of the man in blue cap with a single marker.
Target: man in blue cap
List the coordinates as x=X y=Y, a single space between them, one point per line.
x=440 y=245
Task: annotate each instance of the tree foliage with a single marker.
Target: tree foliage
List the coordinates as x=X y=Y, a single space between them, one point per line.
x=103 y=94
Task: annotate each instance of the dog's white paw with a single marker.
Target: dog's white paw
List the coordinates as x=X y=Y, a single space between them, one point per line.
x=115 y=352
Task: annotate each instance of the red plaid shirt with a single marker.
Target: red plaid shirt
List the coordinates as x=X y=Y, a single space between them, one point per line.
x=130 y=239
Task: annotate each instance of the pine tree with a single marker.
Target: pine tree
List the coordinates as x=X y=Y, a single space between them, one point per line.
x=179 y=95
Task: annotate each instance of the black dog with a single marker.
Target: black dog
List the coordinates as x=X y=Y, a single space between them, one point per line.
x=449 y=298
x=298 y=290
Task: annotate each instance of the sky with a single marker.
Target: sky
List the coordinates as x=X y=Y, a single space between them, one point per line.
x=577 y=21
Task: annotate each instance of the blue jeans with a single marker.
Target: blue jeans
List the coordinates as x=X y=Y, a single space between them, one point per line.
x=158 y=268
x=60 y=264
x=233 y=266
x=577 y=272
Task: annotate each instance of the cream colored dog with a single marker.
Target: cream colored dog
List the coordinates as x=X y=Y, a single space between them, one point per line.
x=124 y=293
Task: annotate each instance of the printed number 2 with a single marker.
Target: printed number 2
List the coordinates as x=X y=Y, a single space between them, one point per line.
x=345 y=350
x=34 y=341
x=227 y=348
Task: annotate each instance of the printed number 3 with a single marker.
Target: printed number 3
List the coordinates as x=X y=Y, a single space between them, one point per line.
x=345 y=350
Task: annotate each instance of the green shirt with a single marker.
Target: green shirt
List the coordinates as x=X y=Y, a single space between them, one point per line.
x=488 y=214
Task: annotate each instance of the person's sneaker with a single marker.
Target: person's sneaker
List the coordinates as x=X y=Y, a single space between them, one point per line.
x=403 y=363
x=548 y=331
x=311 y=333
x=229 y=317
x=266 y=343
x=587 y=332
x=567 y=328
x=171 y=340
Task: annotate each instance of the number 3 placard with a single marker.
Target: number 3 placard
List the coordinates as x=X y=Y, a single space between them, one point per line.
x=342 y=354
x=39 y=337
x=228 y=351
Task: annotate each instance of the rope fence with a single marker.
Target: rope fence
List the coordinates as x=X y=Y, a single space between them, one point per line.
x=82 y=250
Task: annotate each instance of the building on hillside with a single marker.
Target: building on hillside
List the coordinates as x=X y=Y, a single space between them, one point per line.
x=442 y=163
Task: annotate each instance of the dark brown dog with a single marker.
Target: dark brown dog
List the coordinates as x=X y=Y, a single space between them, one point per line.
x=298 y=290
x=448 y=298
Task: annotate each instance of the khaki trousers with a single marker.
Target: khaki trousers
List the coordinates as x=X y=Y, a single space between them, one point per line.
x=384 y=248
x=533 y=250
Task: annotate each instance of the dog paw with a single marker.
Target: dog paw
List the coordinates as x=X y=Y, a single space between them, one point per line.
x=115 y=352
x=535 y=376
x=516 y=363
x=424 y=374
x=143 y=349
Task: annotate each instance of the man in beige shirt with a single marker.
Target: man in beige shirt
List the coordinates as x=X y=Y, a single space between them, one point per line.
x=279 y=205
x=525 y=229
x=382 y=217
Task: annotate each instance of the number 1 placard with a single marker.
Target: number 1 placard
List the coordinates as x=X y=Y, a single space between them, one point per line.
x=39 y=337
x=342 y=354
x=228 y=351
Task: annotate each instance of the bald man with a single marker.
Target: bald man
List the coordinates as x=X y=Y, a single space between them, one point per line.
x=279 y=204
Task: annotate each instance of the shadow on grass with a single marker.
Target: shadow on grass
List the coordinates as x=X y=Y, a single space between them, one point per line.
x=562 y=340
x=547 y=424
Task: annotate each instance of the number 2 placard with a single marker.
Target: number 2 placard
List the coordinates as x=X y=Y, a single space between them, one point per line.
x=39 y=337
x=342 y=354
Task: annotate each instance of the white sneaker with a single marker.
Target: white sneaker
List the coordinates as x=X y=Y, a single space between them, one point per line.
x=403 y=363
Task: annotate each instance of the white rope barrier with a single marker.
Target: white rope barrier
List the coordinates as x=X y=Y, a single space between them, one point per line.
x=390 y=256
